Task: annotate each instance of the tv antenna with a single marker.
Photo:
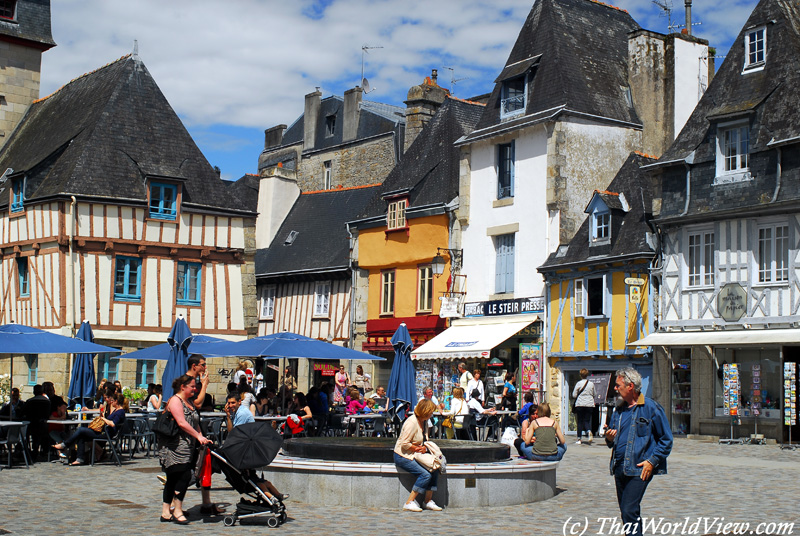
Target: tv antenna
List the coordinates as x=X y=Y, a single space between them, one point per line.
x=666 y=7
x=454 y=80
x=364 y=82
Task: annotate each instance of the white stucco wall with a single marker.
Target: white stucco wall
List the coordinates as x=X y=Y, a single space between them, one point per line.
x=691 y=79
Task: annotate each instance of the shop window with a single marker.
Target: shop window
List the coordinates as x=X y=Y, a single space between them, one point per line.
x=425 y=289
x=760 y=380
x=24 y=278
x=504 y=263
x=107 y=367
x=700 y=258
x=188 y=283
x=163 y=201
x=127 y=284
x=267 y=309
x=396 y=214
x=387 y=292
x=773 y=253
x=17 y=195
x=755 y=48
x=145 y=372
x=322 y=299
x=512 y=98
x=505 y=170
x=32 y=361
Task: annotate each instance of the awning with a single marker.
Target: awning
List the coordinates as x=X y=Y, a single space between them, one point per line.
x=517 y=68
x=720 y=338
x=471 y=337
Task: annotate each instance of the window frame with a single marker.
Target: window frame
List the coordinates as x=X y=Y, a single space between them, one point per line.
x=13 y=6
x=267 y=299
x=504 y=280
x=505 y=191
x=424 y=288
x=758 y=64
x=579 y=299
x=104 y=369
x=327 y=175
x=143 y=372
x=521 y=97
x=163 y=213
x=125 y=296
x=326 y=288
x=775 y=274
x=388 y=282
x=23 y=279
x=598 y=226
x=396 y=214
x=741 y=171
x=32 y=362
x=330 y=125
x=186 y=287
x=17 y=192
x=706 y=277
x=605 y=298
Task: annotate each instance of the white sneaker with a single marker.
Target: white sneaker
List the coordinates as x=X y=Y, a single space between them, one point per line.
x=413 y=506
x=591 y=437
x=578 y=442
x=430 y=505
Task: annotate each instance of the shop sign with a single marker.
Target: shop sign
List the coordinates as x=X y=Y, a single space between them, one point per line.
x=731 y=302
x=505 y=307
x=449 y=307
x=533 y=330
x=326 y=369
x=636 y=281
x=635 y=294
x=530 y=364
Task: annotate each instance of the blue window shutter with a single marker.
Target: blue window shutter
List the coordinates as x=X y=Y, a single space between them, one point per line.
x=500 y=266
x=510 y=261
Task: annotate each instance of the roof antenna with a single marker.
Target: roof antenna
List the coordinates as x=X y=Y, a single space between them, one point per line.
x=364 y=82
x=454 y=80
x=135 y=48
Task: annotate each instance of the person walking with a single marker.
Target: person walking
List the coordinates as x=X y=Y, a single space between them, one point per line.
x=640 y=440
x=583 y=393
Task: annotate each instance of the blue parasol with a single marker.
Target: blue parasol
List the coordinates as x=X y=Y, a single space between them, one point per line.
x=200 y=345
x=179 y=339
x=288 y=345
x=82 y=383
x=402 y=380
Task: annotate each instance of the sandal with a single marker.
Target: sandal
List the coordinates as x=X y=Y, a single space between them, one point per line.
x=60 y=446
x=75 y=463
x=180 y=521
x=212 y=510
x=166 y=519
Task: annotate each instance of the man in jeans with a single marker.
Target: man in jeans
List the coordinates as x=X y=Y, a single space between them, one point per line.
x=641 y=440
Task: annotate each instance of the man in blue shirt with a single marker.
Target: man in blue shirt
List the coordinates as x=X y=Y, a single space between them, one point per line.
x=641 y=440
x=236 y=413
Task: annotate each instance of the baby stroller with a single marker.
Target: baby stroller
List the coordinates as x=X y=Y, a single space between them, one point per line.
x=248 y=447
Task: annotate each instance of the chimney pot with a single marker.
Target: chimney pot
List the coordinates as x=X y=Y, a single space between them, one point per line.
x=434 y=75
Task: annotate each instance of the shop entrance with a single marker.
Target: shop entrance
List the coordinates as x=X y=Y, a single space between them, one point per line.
x=604 y=399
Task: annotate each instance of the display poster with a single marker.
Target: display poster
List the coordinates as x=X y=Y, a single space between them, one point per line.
x=789 y=393
x=755 y=390
x=441 y=375
x=530 y=362
x=600 y=382
x=731 y=389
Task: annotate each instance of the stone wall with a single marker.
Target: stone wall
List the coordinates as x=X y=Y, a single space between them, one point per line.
x=355 y=164
x=249 y=289
x=20 y=73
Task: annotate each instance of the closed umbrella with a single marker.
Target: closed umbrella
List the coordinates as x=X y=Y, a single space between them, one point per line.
x=402 y=380
x=179 y=339
x=252 y=445
x=82 y=383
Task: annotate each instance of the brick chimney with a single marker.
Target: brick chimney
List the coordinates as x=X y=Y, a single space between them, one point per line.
x=310 y=119
x=351 y=113
x=421 y=105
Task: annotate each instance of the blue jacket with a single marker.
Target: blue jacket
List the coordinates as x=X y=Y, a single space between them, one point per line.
x=649 y=438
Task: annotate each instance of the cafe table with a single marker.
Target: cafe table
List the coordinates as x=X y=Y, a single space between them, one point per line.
x=360 y=420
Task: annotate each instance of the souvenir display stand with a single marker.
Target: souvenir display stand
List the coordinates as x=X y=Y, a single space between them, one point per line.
x=789 y=398
x=730 y=395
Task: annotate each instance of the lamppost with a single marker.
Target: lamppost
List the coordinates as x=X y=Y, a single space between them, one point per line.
x=438 y=262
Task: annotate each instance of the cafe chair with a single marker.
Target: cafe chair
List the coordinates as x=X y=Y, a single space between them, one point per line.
x=488 y=425
x=15 y=437
x=106 y=441
x=466 y=431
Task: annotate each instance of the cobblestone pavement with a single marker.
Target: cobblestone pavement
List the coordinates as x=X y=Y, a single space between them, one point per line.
x=740 y=483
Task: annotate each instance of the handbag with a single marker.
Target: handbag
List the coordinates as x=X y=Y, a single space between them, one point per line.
x=456 y=424
x=367 y=384
x=165 y=425
x=433 y=459
x=447 y=422
x=585 y=385
x=98 y=424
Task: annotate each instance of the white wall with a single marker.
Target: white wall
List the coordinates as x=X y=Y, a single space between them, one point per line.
x=691 y=79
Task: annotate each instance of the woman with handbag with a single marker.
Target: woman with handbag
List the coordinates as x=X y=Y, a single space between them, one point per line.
x=115 y=419
x=411 y=441
x=176 y=453
x=583 y=393
x=458 y=408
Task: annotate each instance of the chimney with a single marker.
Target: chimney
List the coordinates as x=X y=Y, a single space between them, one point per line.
x=277 y=192
x=351 y=113
x=421 y=105
x=273 y=137
x=310 y=120
x=688 y=4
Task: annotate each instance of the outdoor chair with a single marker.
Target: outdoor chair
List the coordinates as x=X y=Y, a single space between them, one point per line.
x=336 y=426
x=488 y=425
x=466 y=432
x=15 y=437
x=376 y=428
x=106 y=441
x=215 y=432
x=148 y=436
x=131 y=436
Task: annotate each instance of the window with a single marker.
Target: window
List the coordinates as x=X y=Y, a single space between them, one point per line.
x=322 y=299
x=127 y=285
x=32 y=360
x=505 y=170
x=107 y=367
x=425 y=288
x=145 y=372
x=387 y=292
x=163 y=201
x=8 y=9
x=601 y=227
x=760 y=381
x=512 y=99
x=734 y=149
x=24 y=280
x=504 y=264
x=755 y=48
x=330 y=126
x=579 y=302
x=326 y=175
x=268 y=302
x=701 y=259
x=595 y=296
x=188 y=283
x=17 y=195
x=773 y=253
x=396 y=214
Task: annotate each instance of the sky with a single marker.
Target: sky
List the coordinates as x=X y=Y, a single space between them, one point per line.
x=233 y=69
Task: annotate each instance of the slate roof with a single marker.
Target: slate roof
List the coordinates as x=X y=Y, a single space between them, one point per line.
x=768 y=98
x=583 y=65
x=32 y=24
x=628 y=229
x=246 y=191
x=322 y=243
x=430 y=167
x=102 y=134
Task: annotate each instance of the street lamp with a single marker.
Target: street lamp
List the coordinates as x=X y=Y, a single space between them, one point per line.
x=438 y=262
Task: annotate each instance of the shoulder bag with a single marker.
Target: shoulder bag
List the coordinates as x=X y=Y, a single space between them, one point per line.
x=585 y=385
x=456 y=424
x=97 y=424
x=165 y=425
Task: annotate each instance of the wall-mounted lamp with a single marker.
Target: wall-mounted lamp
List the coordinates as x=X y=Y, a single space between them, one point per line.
x=438 y=262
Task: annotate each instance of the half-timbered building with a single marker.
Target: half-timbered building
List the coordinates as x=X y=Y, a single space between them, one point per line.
x=730 y=227
x=110 y=213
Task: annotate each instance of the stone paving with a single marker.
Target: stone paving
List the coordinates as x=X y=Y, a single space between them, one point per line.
x=740 y=483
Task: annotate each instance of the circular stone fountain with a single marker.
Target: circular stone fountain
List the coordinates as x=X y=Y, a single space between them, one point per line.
x=359 y=471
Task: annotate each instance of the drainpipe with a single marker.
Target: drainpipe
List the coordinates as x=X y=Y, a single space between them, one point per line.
x=688 y=188
x=70 y=320
x=777 y=176
x=352 y=292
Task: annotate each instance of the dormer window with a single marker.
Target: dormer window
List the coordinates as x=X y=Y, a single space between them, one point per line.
x=396 y=214
x=733 y=151
x=8 y=9
x=601 y=226
x=755 y=48
x=17 y=195
x=330 y=126
x=163 y=201
x=512 y=99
